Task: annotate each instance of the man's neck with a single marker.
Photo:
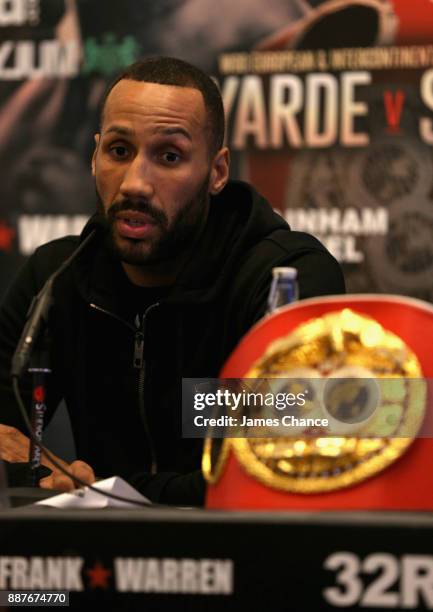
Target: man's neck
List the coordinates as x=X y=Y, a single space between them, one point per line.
x=150 y=276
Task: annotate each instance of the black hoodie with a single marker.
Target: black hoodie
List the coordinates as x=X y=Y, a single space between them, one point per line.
x=121 y=374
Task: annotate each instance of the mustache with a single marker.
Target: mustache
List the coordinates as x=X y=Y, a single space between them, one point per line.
x=143 y=206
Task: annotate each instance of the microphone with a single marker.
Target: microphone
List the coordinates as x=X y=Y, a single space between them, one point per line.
x=37 y=316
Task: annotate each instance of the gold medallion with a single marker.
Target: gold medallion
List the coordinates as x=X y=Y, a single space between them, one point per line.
x=334 y=347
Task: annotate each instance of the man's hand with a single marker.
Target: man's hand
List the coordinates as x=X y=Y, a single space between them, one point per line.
x=61 y=482
x=15 y=446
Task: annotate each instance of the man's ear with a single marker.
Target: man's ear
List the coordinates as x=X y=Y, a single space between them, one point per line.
x=219 y=174
x=97 y=139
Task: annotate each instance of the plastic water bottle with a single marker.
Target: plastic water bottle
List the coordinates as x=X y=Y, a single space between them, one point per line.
x=284 y=288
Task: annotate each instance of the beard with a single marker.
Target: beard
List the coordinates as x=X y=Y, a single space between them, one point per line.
x=171 y=239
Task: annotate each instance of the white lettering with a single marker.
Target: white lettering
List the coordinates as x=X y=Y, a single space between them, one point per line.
x=228 y=94
x=72 y=571
x=251 y=117
x=12 y=12
x=128 y=574
x=417 y=581
x=188 y=576
x=321 y=87
x=30 y=59
x=426 y=91
x=19 y=576
x=286 y=110
x=351 y=109
x=55 y=572
x=39 y=573
x=204 y=576
x=5 y=572
x=343 y=248
x=152 y=580
x=34 y=230
x=358 y=221
x=223 y=576
x=286 y=99
x=170 y=576
x=397 y=583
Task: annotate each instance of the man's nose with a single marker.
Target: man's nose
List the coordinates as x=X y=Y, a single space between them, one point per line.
x=137 y=181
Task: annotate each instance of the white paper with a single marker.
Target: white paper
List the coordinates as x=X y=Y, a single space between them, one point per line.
x=85 y=498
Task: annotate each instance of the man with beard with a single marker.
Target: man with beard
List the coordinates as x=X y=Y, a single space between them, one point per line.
x=177 y=272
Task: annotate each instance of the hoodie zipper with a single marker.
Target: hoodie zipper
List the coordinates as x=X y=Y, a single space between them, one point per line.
x=139 y=363
x=114 y=316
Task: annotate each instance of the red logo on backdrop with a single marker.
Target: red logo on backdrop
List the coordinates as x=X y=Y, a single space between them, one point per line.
x=393 y=108
x=7 y=234
x=39 y=395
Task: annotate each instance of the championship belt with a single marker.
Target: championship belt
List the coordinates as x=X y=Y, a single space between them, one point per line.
x=369 y=354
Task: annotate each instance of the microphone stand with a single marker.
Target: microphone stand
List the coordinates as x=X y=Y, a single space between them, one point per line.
x=40 y=369
x=33 y=348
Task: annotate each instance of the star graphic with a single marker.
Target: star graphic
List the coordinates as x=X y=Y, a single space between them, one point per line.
x=98 y=576
x=7 y=234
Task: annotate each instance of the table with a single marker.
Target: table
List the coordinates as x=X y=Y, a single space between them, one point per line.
x=193 y=559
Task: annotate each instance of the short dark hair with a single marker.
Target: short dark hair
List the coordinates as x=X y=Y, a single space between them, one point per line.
x=173 y=71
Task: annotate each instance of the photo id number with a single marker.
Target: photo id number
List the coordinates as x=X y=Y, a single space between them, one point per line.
x=34 y=598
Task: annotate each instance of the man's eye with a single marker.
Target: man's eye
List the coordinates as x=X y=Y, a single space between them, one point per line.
x=119 y=151
x=170 y=157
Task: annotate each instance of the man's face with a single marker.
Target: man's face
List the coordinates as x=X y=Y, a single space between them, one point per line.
x=153 y=170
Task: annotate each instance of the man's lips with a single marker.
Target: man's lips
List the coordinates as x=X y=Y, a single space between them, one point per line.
x=134 y=224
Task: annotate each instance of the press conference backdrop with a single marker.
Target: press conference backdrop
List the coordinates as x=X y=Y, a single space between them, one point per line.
x=329 y=106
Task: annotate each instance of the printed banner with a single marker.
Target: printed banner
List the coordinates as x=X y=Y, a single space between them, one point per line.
x=329 y=106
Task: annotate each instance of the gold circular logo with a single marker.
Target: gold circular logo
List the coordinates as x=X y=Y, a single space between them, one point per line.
x=357 y=359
